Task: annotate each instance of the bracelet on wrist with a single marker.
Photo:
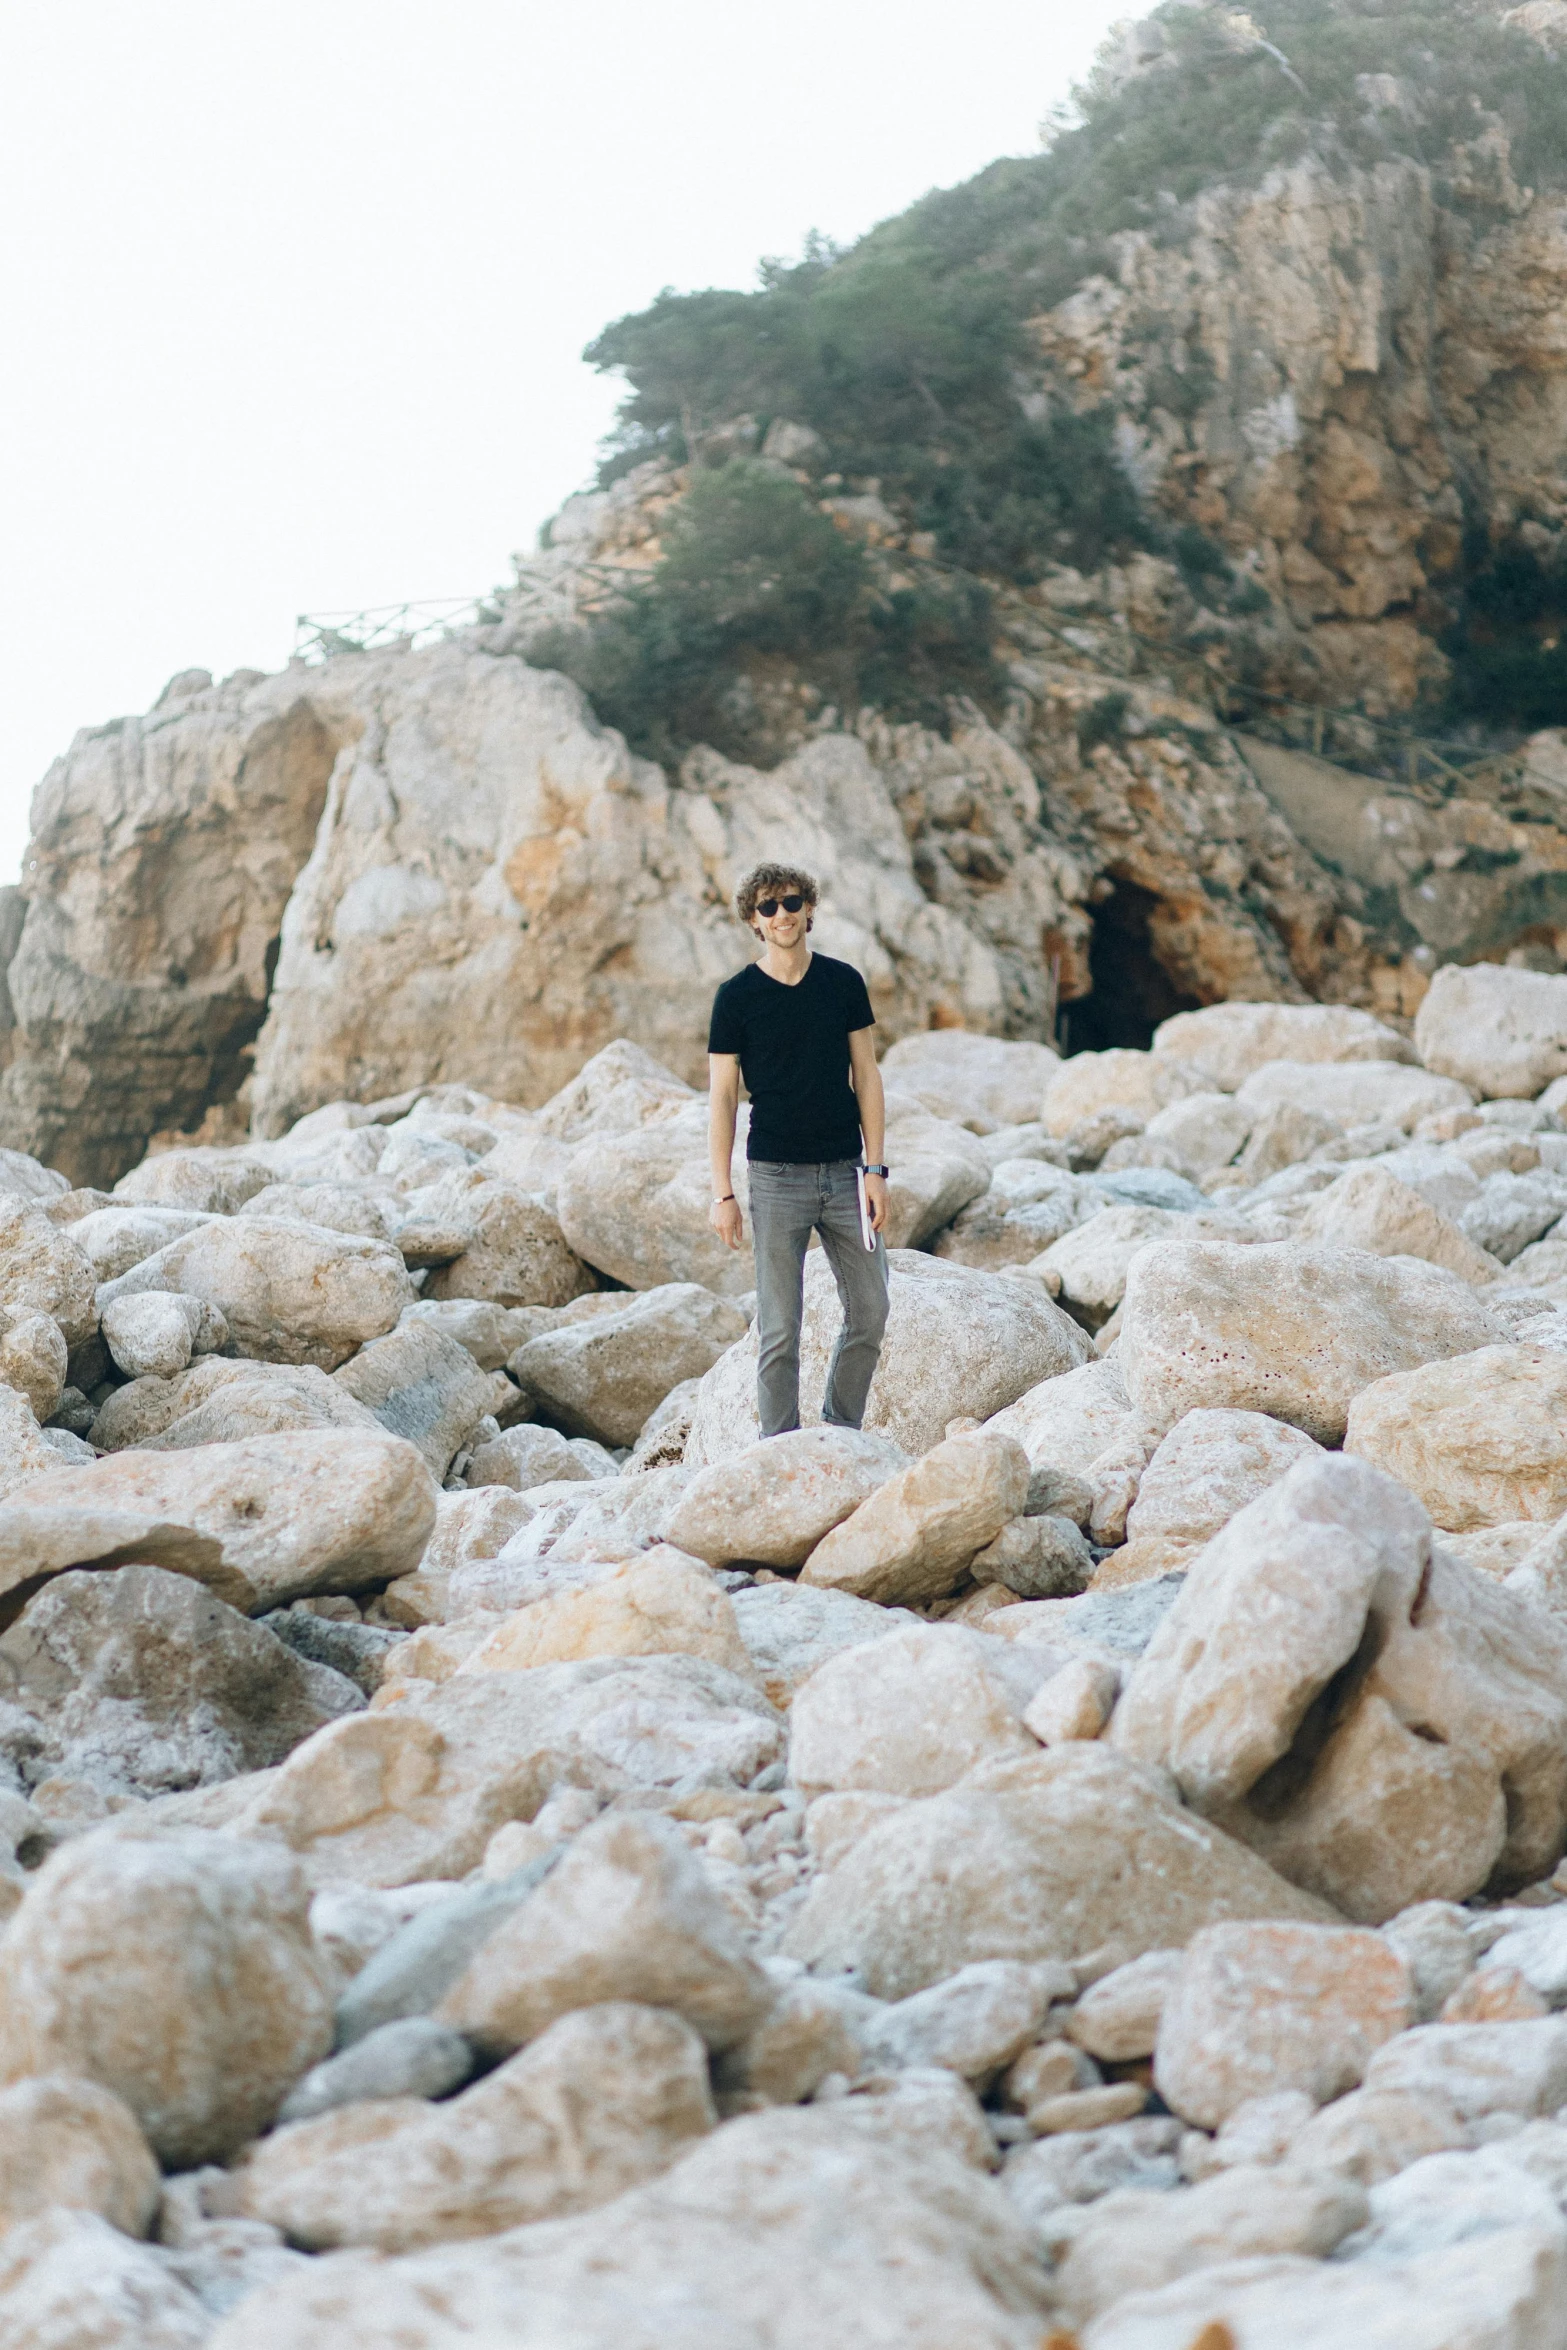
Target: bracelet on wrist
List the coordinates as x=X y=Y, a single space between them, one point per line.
x=724 y=1202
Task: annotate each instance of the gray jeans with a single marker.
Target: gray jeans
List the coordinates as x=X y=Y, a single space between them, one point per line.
x=788 y=1204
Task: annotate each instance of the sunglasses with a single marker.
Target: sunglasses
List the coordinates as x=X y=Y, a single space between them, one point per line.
x=768 y=907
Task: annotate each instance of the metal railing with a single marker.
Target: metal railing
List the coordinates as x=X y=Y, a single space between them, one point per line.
x=386 y=628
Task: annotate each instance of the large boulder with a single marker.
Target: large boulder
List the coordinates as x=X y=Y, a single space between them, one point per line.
x=422 y=1385
x=1209 y=1466
x=782 y=2227
x=635 y=1205
x=260 y=1523
x=43 y=1270
x=937 y=1169
x=914 y=1537
x=177 y=1972
x=958 y=1344
x=977 y=1081
x=143 y=1683
x=1480 y=1438
x=790 y=1628
x=1072 y=1852
x=605 y=1375
x=220 y=1401
x=1142 y=1083
x=1354 y=1092
x=774 y=1502
x=1369 y=1208
x=662 y=1604
x=911 y=1714
x=1383 y=1723
x=518 y=1255
x=1232 y=1040
x=290 y=1293
x=212 y=1182
x=1292 y=1328
x=1500 y=1031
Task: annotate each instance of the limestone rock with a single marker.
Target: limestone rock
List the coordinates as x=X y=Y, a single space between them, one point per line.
x=518 y=1255
x=1232 y=1040
x=25 y=1453
x=67 y=2143
x=635 y=1206
x=660 y=1604
x=1372 y=2134
x=34 y=1360
x=1291 y=1328
x=1370 y=1209
x=807 y=2033
x=1066 y=1423
x=1042 y=1557
x=415 y=1791
x=1353 y=1092
x=43 y=1271
x=177 y=1973
x=1071 y=1851
x=1503 y=1032
x=790 y=1628
x=153 y=1336
x=775 y=1501
x=262 y=1522
x=489 y=1332
x=117 y=1237
x=1117 y=2018
x=412 y=2057
x=1479 y=2068
x=626 y=1914
x=974 y=2023
x=423 y=1386
x=23 y=1174
x=919 y=1530
x=1209 y=1466
x=937 y=1169
x=1141 y=1082
x=70 y=2277
x=143 y=1682
x=958 y=1343
x=1206 y=1131
x=978 y=1080
x=603 y=1377
x=1091 y=1263
x=602 y=2100
x=727 y=2243
x=213 y=1182
x=1074 y=1703
x=1256 y=2008
x=290 y=1293
x=523 y=1457
x=1481 y=1439
x=911 y=1714
x=374 y=1214
x=221 y=1401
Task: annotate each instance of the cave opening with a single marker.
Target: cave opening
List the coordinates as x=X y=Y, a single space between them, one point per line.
x=1131 y=991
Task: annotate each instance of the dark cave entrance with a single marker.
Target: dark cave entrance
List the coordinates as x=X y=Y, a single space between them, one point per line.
x=1132 y=991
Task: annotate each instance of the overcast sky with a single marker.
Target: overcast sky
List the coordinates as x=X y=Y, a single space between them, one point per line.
x=294 y=294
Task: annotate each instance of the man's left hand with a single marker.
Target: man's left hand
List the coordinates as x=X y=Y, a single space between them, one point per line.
x=876 y=1200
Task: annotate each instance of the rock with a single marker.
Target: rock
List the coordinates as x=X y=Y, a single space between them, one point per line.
x=69 y=2277
x=1118 y=1080
x=1536 y=1949
x=1071 y=1851
x=413 y=2057
x=1285 y=1134
x=966 y=1078
x=726 y=2245
x=1066 y=1423
x=359 y=1652
x=1434 y=1941
x=789 y=1629
x=1117 y=2018
x=406 y=1972
x=1510 y=1212
x=937 y=1169
x=603 y=1377
x=66 y=2143
x=114 y=1239
x=25 y=1176
x=34 y=1360
x=910 y=1714
x=1290 y=1328
x=1481 y=1439
x=1083 y=2165
x=416 y=1790
x=1074 y=1703
x=1502 y=1031
x=807 y=2033
x=919 y=1530
x=222 y=1402
x=774 y=1502
x=635 y=1206
x=144 y=1683
x=601 y=2101
x=1374 y=2133
x=374 y=1214
x=290 y=1293
x=661 y=1604
x=1114 y=1625
x=260 y=1523
x=177 y=1973
x=154 y=1336
x=1232 y=1040
x=1090 y=1264
x=957 y=1343
x=1209 y=1466
x=1256 y=2008
x=25 y=1453
x=518 y=1255
x=1493 y=1995
x=489 y=1332
x=423 y=1386
x=1367 y=1208
x=666 y=1431
x=523 y=1457
x=217 y=1182
x=44 y=1271
x=604 y=1520
x=1353 y=1092
x=1037 y=1558
x=974 y=2023
x=1478 y=2068
x=1206 y=1131
x=1396 y=1795
x=1116 y=2253
x=626 y=1914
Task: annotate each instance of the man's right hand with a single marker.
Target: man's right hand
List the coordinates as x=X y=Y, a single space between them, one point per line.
x=727 y=1222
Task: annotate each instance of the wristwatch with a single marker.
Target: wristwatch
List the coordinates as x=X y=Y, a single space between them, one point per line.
x=866 y=1168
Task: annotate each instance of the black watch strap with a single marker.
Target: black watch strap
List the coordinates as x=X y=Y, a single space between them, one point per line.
x=866 y=1168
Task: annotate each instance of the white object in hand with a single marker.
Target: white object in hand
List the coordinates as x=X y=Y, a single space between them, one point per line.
x=867 y=1228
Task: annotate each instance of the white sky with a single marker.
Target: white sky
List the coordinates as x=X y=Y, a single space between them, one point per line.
x=294 y=290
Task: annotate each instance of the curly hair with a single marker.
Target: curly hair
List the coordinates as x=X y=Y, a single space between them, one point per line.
x=771 y=881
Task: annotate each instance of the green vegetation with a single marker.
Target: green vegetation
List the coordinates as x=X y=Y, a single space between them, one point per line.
x=756 y=581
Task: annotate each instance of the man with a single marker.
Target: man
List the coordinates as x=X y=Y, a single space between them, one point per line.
x=797 y=1026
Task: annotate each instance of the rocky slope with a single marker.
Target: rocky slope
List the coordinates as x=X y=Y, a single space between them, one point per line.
x=490 y=1847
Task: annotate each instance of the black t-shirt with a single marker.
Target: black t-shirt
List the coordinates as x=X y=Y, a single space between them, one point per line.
x=793 y=1044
